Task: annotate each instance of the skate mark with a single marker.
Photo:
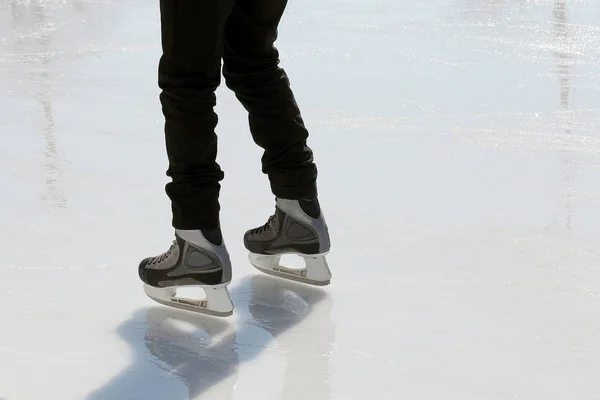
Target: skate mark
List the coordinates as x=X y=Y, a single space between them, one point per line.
x=58 y=268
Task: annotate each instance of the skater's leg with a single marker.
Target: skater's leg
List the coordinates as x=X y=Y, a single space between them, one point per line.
x=251 y=69
x=189 y=74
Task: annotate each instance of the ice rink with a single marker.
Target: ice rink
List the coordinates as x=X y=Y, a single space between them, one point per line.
x=458 y=144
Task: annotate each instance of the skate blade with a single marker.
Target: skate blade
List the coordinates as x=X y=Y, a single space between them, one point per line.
x=217 y=302
x=315 y=273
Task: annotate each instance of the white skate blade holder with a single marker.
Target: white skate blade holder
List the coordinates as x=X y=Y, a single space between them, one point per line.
x=216 y=303
x=316 y=271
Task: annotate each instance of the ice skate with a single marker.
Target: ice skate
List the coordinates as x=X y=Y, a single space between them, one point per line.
x=297 y=227
x=196 y=260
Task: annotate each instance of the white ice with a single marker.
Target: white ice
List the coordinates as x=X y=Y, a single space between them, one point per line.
x=458 y=143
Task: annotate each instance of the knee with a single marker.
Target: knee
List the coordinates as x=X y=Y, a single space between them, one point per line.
x=241 y=74
x=179 y=75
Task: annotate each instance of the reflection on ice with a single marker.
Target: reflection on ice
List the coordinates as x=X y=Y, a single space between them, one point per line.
x=201 y=351
x=564 y=75
x=34 y=36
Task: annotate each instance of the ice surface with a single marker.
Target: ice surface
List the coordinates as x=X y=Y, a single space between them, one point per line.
x=458 y=145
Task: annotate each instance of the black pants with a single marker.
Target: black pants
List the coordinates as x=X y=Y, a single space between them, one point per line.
x=196 y=36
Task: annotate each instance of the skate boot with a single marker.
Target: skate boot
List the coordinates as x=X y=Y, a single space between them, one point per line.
x=297 y=227
x=198 y=259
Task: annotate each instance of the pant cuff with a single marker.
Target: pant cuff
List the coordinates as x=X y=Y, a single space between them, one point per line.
x=194 y=215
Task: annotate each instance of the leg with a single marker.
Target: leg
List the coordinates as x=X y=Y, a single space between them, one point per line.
x=189 y=74
x=251 y=70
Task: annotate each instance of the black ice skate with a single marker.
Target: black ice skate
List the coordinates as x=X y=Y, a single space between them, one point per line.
x=297 y=227
x=196 y=259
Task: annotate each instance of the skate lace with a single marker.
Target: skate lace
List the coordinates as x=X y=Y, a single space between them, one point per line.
x=160 y=258
x=266 y=226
